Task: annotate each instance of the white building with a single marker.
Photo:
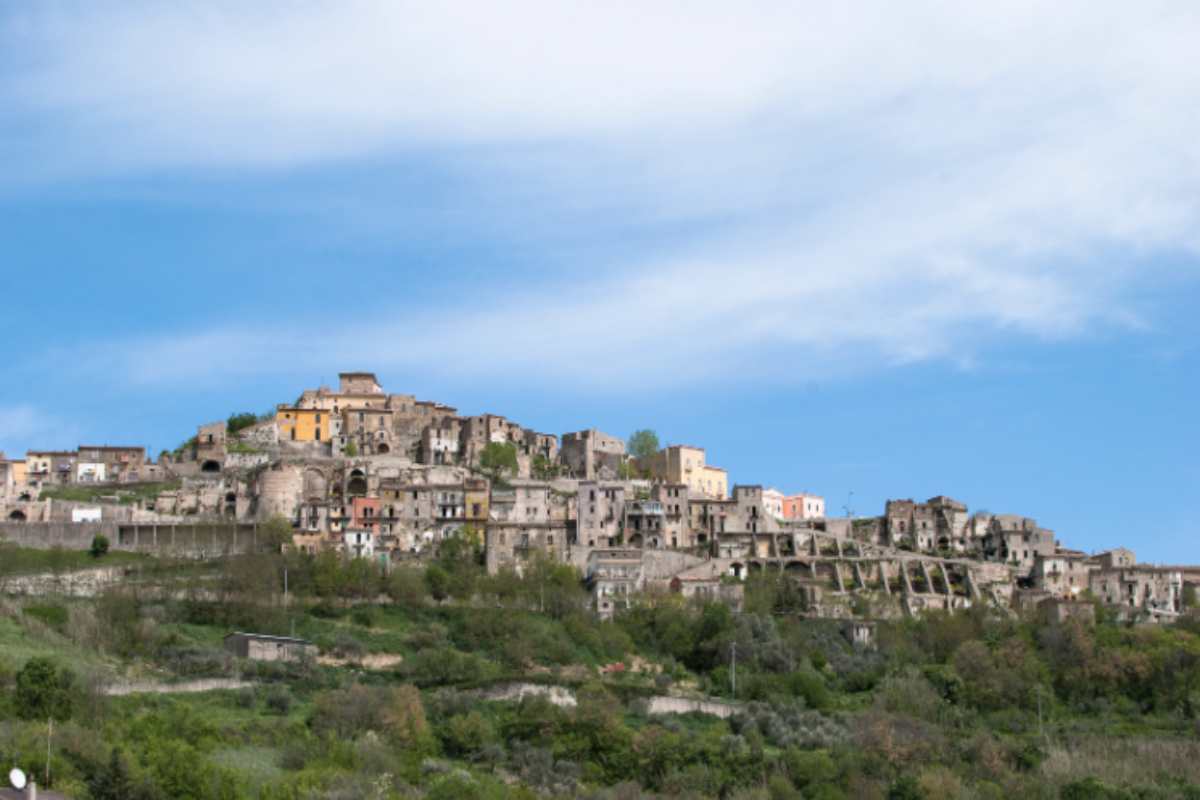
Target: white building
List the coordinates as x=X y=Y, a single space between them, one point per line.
x=90 y=472
x=359 y=543
x=89 y=514
x=772 y=500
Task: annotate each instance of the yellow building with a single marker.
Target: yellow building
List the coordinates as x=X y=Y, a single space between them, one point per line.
x=681 y=463
x=303 y=424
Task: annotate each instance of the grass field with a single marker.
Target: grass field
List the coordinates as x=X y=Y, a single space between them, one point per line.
x=26 y=561
x=126 y=494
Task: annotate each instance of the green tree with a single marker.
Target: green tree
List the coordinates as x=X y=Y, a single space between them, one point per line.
x=498 y=459
x=44 y=690
x=438 y=582
x=99 y=545
x=275 y=533
x=543 y=468
x=351 y=449
x=643 y=443
x=237 y=422
x=111 y=782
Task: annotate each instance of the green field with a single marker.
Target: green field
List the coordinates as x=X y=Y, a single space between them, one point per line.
x=26 y=560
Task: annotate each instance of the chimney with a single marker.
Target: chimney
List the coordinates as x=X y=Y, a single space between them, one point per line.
x=31 y=791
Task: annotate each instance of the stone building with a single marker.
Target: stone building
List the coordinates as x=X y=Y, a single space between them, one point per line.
x=686 y=464
x=601 y=513
x=1063 y=574
x=106 y=463
x=1140 y=590
x=261 y=647
x=1017 y=541
x=510 y=544
x=440 y=442
x=677 y=530
x=614 y=575
x=592 y=455
x=645 y=524
x=210 y=446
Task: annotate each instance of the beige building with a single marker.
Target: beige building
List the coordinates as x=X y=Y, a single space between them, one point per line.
x=684 y=464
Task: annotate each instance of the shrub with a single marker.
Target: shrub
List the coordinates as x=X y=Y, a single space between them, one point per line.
x=44 y=691
x=279 y=700
x=99 y=545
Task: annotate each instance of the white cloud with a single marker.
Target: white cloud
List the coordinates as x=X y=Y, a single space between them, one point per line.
x=884 y=182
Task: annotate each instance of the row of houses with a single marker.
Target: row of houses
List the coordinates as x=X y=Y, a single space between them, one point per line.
x=87 y=464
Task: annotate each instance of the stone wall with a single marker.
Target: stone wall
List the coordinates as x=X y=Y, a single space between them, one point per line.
x=180 y=539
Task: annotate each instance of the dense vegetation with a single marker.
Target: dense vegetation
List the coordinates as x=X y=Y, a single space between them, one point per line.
x=973 y=705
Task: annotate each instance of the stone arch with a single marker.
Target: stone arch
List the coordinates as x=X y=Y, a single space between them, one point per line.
x=17 y=516
x=210 y=466
x=738 y=569
x=383 y=449
x=357 y=485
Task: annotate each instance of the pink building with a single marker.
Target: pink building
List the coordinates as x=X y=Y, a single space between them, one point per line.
x=803 y=506
x=364 y=514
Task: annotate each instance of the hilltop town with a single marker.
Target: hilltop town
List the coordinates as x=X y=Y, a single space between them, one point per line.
x=388 y=477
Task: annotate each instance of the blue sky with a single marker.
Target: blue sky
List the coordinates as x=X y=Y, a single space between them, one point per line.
x=888 y=252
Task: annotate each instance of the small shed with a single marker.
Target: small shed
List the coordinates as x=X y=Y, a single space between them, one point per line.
x=261 y=647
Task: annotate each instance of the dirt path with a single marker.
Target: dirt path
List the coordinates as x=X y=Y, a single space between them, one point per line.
x=186 y=687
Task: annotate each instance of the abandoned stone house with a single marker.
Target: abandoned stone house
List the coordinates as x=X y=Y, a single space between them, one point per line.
x=261 y=647
x=1064 y=574
x=601 y=512
x=614 y=576
x=1157 y=592
x=1017 y=541
x=512 y=544
x=591 y=455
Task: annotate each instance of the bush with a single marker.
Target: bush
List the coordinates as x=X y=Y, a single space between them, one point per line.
x=44 y=691
x=99 y=545
x=279 y=700
x=365 y=616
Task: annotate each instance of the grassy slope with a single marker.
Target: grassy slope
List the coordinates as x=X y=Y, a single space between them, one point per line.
x=26 y=561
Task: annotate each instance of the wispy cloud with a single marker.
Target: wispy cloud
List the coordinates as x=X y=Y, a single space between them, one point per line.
x=881 y=185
